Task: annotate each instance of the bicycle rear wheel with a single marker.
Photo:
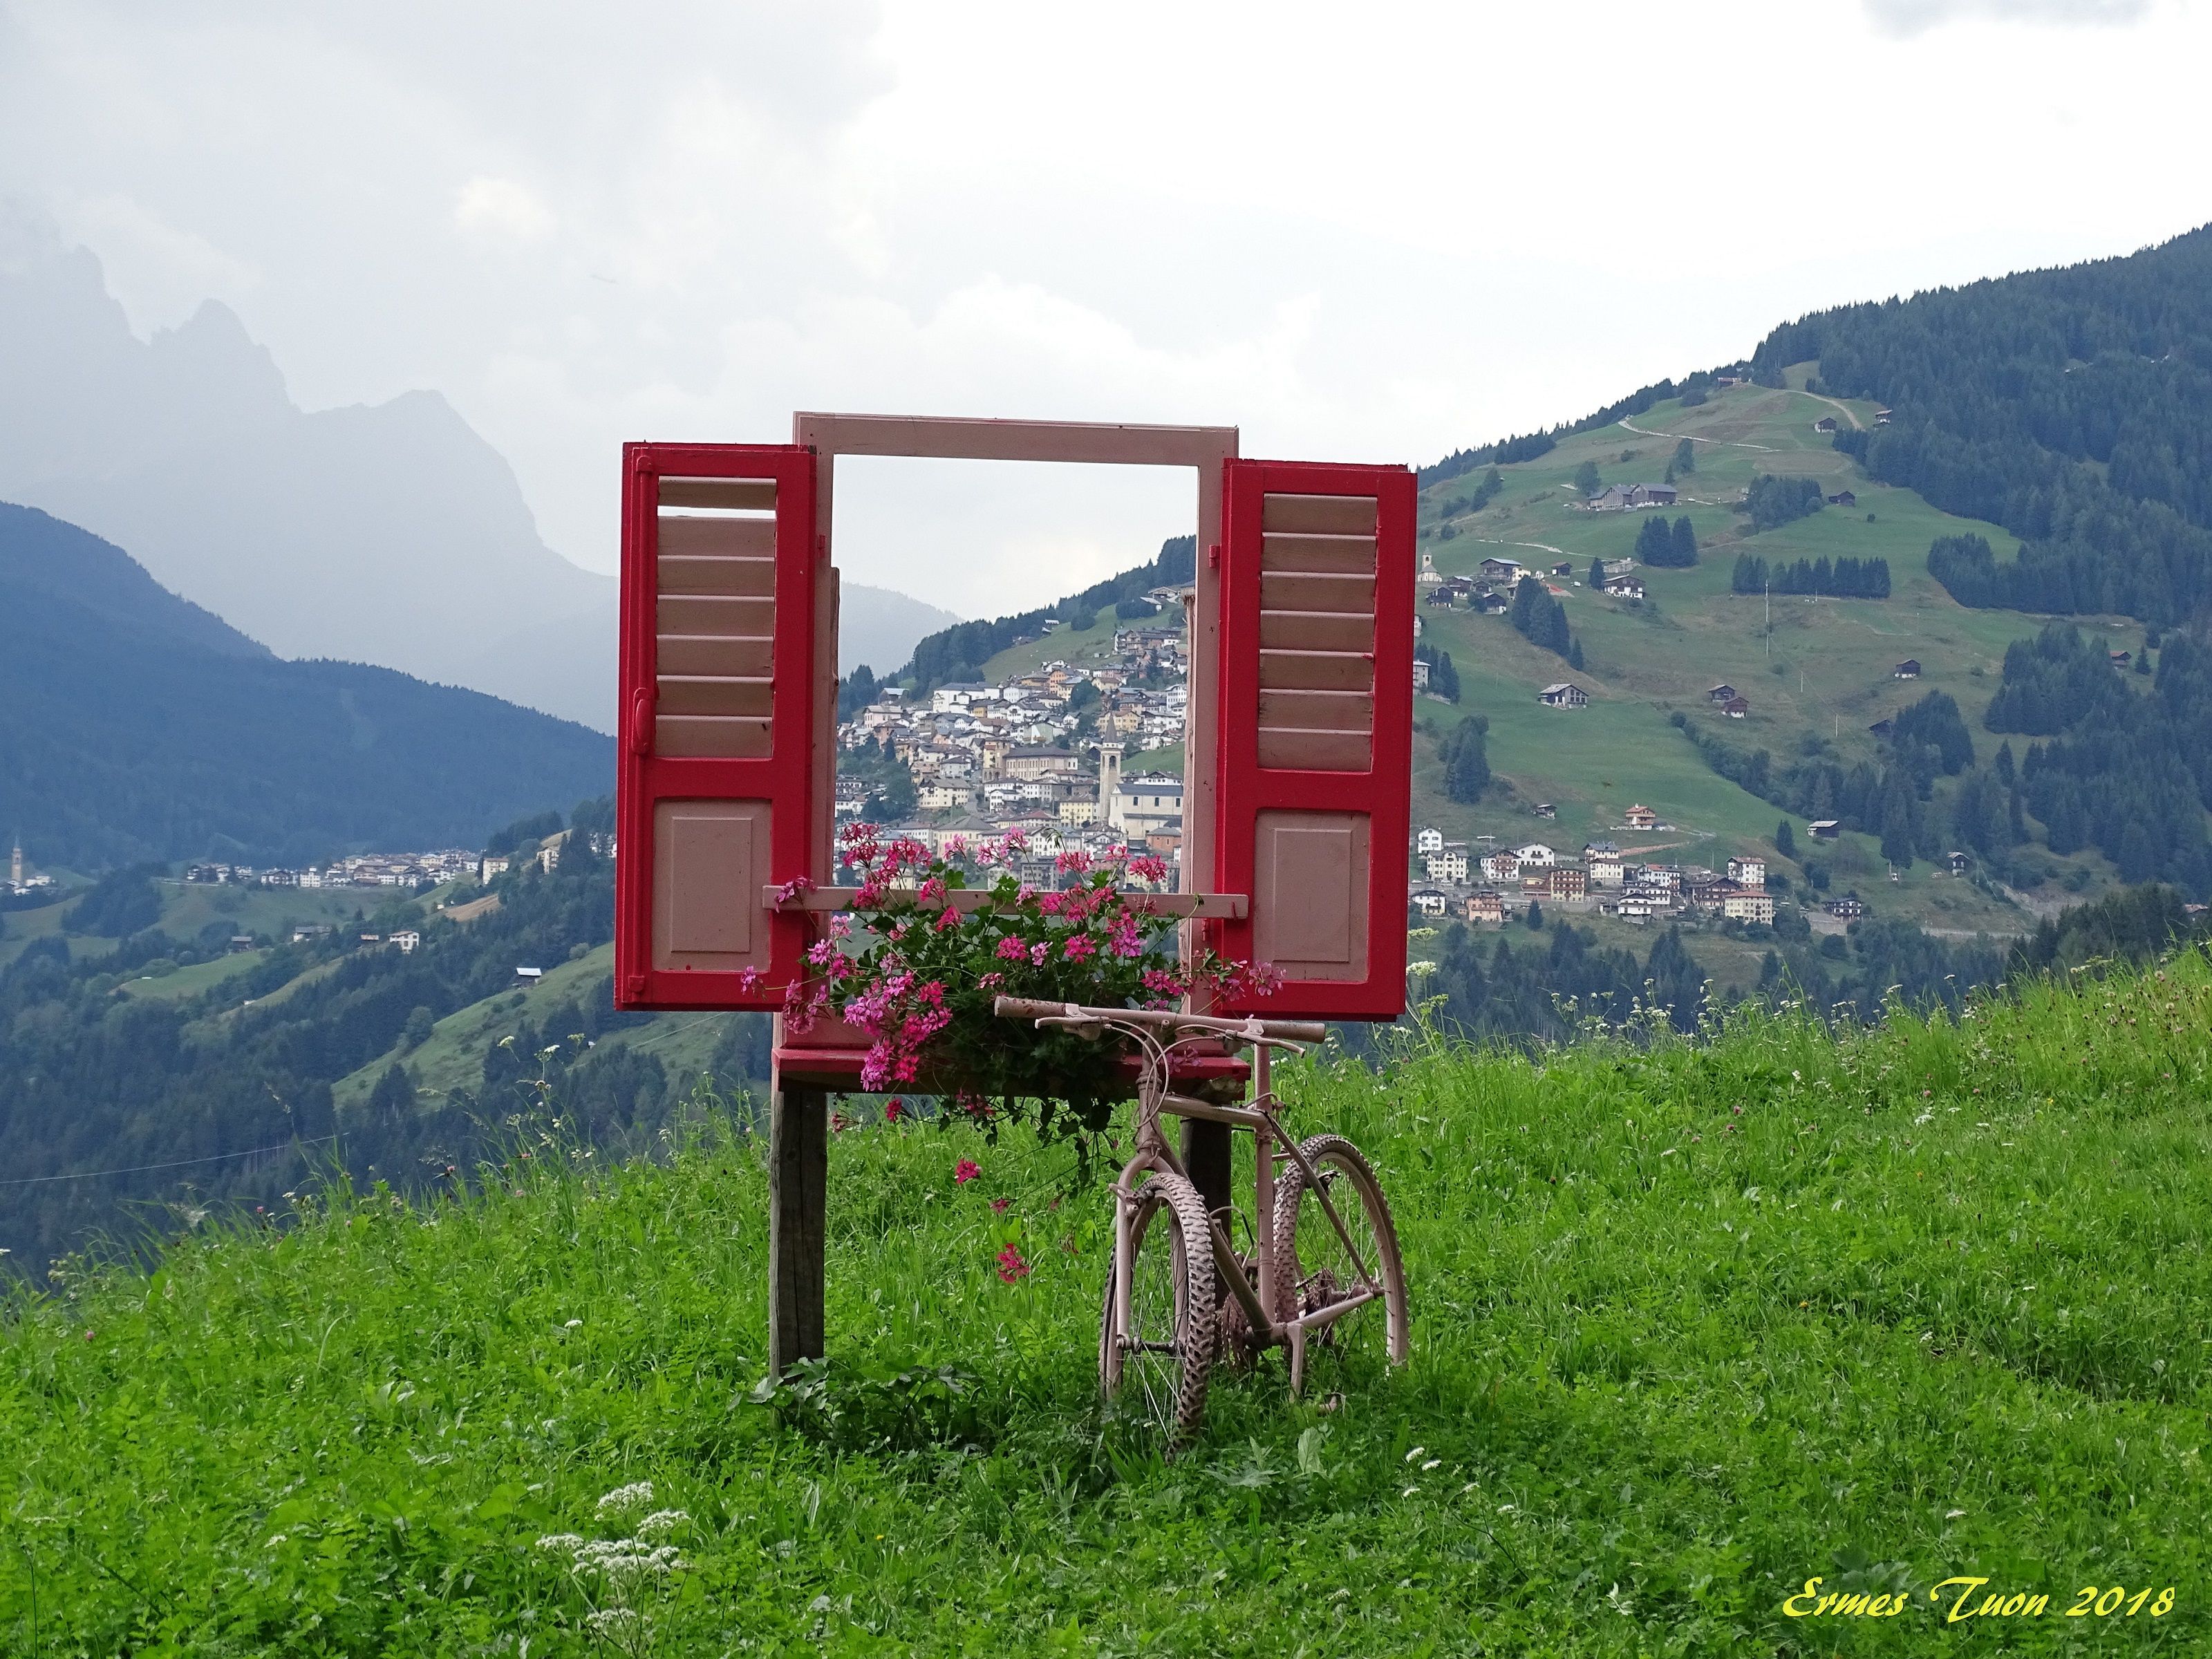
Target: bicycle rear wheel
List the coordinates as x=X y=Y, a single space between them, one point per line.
x=1156 y=1368
x=1314 y=1270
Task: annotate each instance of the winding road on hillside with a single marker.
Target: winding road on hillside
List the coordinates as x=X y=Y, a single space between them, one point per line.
x=1726 y=443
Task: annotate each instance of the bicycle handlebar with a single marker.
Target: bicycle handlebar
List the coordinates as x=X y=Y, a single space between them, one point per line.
x=1272 y=1030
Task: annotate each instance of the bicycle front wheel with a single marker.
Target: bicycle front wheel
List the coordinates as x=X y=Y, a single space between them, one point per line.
x=1156 y=1349
x=1335 y=1244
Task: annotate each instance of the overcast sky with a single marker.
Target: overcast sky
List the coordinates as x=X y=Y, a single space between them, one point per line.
x=1359 y=233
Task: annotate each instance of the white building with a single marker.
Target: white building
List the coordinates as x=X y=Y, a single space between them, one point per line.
x=1427 y=839
x=1447 y=866
x=1750 y=871
x=1537 y=854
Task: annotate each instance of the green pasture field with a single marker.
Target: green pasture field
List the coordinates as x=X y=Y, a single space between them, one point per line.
x=1822 y=669
x=453 y=1056
x=180 y=984
x=1693 y=1325
x=188 y=907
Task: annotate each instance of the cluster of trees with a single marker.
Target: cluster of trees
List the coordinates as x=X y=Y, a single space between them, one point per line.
x=1443 y=679
x=1846 y=578
x=2129 y=775
x=1773 y=502
x=956 y=654
x=1547 y=986
x=2126 y=773
x=1674 y=546
x=1856 y=975
x=1476 y=499
x=91 y=1080
x=1684 y=459
x=1896 y=799
x=1467 y=759
x=2071 y=406
x=1542 y=620
x=891 y=796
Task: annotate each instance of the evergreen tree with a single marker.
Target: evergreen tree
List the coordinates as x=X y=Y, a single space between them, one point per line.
x=1786 y=840
x=1467 y=763
x=1535 y=917
x=1597 y=575
x=1686 y=542
x=1686 y=457
x=1586 y=479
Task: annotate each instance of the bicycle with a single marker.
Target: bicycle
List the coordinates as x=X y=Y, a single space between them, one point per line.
x=1309 y=1285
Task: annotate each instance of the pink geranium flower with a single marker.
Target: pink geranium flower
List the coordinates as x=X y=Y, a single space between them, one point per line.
x=965 y=1171
x=1078 y=948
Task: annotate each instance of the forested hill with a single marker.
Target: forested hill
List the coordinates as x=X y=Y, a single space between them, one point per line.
x=2072 y=406
x=958 y=653
x=135 y=725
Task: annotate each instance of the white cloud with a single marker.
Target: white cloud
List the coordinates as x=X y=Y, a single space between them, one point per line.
x=586 y=226
x=1908 y=17
x=500 y=207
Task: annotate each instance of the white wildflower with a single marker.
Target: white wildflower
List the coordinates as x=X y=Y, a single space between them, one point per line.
x=662 y=1523
x=561 y=1541
x=611 y=1622
x=572 y=1324
x=635 y=1496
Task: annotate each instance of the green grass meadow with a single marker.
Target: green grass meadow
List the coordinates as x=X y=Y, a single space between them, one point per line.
x=1692 y=1324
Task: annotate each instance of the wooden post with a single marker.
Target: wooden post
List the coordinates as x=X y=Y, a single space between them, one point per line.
x=1207 y=1158
x=798 y=1193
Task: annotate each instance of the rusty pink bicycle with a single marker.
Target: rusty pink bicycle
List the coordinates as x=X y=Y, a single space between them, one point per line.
x=1323 y=1275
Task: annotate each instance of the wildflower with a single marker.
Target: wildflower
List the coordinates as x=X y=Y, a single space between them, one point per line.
x=572 y=1324
x=998 y=1205
x=894 y=1110
x=1011 y=1265
x=634 y=1496
x=561 y=1541
x=661 y=1522
x=965 y=1171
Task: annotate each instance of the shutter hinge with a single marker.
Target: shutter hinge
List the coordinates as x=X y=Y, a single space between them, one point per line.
x=633 y=986
x=1213 y=557
x=641 y=724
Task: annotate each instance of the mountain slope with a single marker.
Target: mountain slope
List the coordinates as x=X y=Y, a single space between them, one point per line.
x=2073 y=406
x=135 y=726
x=392 y=534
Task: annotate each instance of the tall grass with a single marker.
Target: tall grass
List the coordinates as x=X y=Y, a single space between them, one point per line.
x=1693 y=1322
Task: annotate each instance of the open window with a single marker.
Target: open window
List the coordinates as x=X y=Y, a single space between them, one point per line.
x=719 y=627
x=1314 y=709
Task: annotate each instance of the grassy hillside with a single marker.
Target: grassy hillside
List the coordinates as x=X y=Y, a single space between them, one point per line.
x=1821 y=670
x=1692 y=1327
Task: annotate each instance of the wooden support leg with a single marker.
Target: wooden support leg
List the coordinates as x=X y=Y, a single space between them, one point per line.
x=797 y=1192
x=1206 y=1158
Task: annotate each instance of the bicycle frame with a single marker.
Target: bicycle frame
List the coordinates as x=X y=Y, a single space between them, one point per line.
x=1157 y=1034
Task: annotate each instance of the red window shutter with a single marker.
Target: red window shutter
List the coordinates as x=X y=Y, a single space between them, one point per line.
x=715 y=780
x=1316 y=718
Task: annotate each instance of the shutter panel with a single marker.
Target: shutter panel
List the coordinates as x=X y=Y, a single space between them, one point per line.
x=1316 y=714
x=715 y=782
